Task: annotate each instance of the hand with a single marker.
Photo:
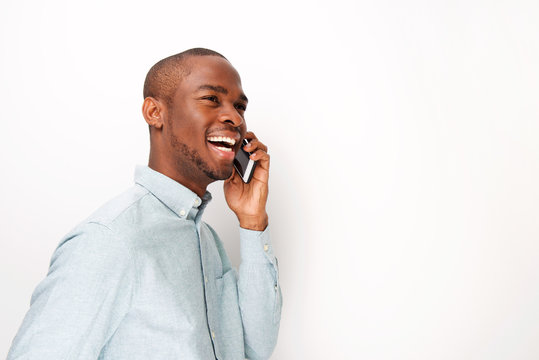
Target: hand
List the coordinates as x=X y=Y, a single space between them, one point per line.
x=248 y=201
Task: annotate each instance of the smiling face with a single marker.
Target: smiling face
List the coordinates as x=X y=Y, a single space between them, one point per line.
x=204 y=123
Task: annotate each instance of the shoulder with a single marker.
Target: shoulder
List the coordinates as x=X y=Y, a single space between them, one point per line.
x=92 y=244
x=117 y=207
x=213 y=234
x=101 y=234
x=210 y=229
x=215 y=239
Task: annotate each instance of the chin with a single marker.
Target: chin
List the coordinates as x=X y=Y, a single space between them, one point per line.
x=220 y=174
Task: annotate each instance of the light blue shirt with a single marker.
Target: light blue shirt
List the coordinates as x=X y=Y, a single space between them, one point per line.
x=145 y=278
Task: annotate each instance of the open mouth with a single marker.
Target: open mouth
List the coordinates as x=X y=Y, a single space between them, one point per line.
x=223 y=143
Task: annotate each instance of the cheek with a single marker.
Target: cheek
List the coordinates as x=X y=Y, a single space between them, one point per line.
x=189 y=128
x=243 y=129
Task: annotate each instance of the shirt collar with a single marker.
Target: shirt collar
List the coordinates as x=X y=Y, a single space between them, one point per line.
x=182 y=201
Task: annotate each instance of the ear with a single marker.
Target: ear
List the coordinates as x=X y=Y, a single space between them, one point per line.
x=154 y=112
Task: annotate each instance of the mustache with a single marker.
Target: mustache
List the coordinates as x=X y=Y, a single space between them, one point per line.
x=225 y=128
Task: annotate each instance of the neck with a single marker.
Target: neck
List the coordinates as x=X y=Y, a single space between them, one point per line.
x=198 y=186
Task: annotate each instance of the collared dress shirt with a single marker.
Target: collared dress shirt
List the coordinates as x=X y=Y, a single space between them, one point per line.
x=145 y=278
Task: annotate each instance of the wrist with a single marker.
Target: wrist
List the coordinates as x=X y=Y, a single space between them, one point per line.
x=256 y=223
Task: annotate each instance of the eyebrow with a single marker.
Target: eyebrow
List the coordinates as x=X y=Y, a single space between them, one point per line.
x=221 y=90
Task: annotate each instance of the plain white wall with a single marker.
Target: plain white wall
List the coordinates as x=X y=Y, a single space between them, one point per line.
x=405 y=160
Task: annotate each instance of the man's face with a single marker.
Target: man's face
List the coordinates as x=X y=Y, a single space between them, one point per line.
x=205 y=122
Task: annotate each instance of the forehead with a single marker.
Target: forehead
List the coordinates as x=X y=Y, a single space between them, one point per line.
x=210 y=70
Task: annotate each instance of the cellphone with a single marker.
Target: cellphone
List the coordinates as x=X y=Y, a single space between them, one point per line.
x=243 y=164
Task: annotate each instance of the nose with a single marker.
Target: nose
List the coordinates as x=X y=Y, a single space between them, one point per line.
x=231 y=116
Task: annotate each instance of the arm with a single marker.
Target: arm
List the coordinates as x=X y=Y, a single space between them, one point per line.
x=258 y=286
x=259 y=294
x=77 y=307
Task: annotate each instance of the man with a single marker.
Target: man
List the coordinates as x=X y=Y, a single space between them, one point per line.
x=144 y=277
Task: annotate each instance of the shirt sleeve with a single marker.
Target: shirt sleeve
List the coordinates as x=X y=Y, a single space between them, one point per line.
x=259 y=293
x=80 y=303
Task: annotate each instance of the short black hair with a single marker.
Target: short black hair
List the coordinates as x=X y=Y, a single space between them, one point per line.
x=164 y=77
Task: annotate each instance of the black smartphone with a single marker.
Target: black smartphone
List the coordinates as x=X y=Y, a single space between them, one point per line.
x=244 y=166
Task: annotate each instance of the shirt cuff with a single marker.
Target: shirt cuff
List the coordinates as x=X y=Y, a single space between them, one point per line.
x=255 y=246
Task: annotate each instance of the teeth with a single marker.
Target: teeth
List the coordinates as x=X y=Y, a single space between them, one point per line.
x=223 y=148
x=226 y=139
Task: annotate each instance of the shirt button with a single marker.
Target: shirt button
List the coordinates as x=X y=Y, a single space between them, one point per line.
x=197 y=201
x=275 y=287
x=206 y=279
x=213 y=335
x=266 y=247
x=182 y=212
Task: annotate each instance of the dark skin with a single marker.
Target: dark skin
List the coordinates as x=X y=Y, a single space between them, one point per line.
x=209 y=102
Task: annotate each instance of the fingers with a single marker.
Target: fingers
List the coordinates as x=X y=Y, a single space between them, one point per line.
x=262 y=157
x=254 y=143
x=259 y=151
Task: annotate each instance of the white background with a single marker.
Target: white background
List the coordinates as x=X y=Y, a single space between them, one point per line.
x=405 y=158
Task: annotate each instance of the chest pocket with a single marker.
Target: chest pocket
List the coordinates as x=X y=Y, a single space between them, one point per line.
x=225 y=282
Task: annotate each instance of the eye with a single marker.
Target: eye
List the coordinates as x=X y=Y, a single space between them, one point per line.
x=211 y=98
x=241 y=107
